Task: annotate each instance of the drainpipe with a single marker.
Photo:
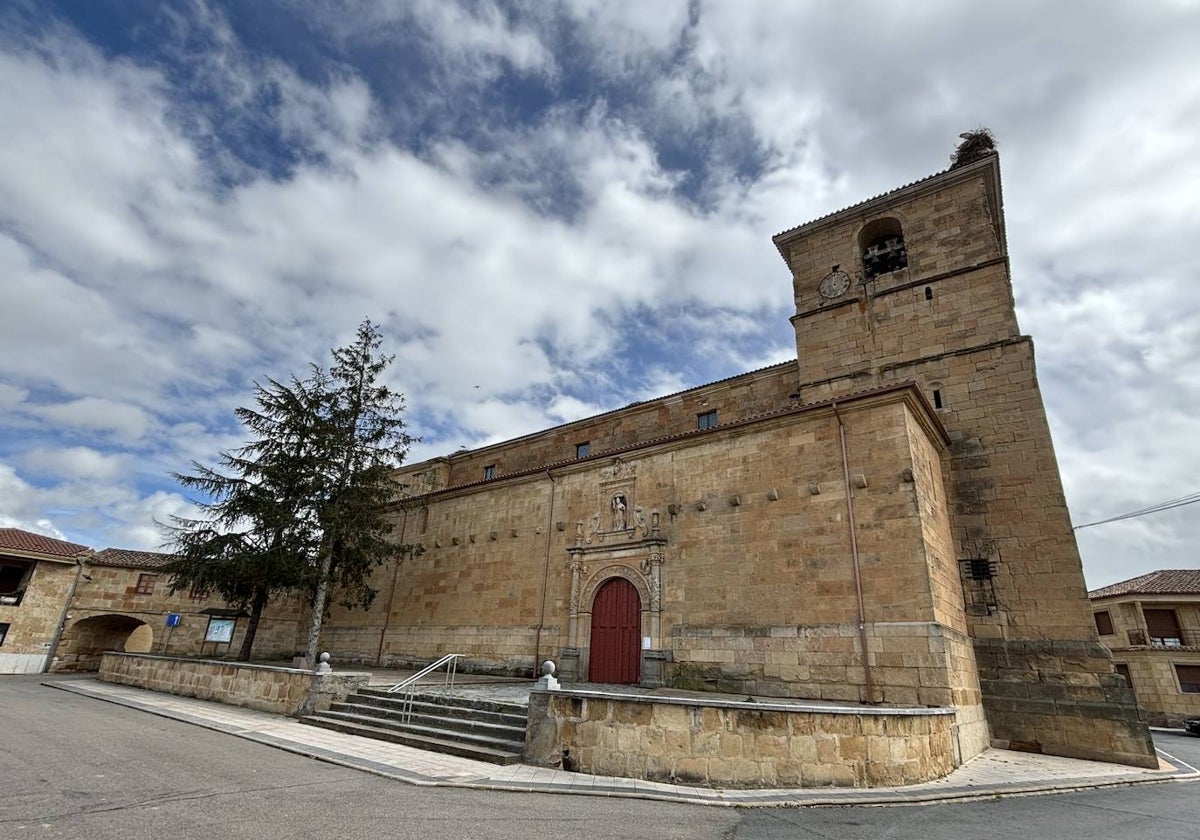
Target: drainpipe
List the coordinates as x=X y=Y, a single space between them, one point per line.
x=537 y=645
x=62 y=616
x=387 y=616
x=868 y=676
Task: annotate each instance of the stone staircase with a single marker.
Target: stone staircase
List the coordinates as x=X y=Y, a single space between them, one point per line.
x=485 y=730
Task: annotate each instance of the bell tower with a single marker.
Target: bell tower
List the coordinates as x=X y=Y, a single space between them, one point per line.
x=914 y=285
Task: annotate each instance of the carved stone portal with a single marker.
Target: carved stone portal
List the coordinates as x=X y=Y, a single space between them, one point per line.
x=638 y=561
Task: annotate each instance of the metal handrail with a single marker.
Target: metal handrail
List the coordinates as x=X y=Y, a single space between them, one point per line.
x=409 y=685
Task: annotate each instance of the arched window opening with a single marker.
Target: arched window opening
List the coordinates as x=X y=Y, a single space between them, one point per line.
x=883 y=249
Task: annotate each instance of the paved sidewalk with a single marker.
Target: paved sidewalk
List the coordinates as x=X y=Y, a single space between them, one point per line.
x=995 y=773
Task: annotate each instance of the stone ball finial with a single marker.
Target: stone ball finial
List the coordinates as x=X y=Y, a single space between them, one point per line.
x=324 y=667
x=324 y=657
x=548 y=668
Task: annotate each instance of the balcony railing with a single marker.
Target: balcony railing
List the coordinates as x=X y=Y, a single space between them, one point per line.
x=12 y=599
x=1185 y=638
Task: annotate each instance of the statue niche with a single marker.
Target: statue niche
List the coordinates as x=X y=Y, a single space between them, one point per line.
x=620 y=512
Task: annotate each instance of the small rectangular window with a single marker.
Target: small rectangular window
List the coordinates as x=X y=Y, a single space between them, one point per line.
x=1123 y=669
x=937 y=398
x=1189 y=678
x=3 y=632
x=145 y=584
x=489 y=472
x=582 y=450
x=1104 y=625
x=707 y=420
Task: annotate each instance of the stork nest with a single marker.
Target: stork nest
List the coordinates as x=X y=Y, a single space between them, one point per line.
x=975 y=145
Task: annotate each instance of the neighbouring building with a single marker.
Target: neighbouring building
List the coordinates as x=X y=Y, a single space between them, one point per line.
x=37 y=576
x=62 y=605
x=1151 y=624
x=880 y=520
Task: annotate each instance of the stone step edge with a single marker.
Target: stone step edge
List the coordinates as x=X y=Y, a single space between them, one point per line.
x=503 y=744
x=516 y=718
x=416 y=741
x=434 y=721
x=450 y=700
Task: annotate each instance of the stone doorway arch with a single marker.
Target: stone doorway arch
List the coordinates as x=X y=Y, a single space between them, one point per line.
x=84 y=642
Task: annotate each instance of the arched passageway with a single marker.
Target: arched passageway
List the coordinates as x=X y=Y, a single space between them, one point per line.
x=85 y=641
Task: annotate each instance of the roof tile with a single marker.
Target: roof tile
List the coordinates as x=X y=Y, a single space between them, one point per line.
x=15 y=539
x=130 y=559
x=1162 y=582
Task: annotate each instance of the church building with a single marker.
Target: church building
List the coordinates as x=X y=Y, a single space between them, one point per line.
x=878 y=521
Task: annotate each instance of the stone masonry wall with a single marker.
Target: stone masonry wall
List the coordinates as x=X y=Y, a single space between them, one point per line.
x=284 y=691
x=958 y=654
x=487 y=649
x=33 y=621
x=743 y=396
x=739 y=745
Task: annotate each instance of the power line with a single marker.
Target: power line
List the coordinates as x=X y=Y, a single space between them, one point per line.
x=1190 y=499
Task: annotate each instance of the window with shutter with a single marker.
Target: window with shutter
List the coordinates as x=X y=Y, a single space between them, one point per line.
x=1163 y=627
x=1189 y=678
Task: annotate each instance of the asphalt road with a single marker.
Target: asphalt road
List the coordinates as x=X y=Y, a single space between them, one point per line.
x=77 y=768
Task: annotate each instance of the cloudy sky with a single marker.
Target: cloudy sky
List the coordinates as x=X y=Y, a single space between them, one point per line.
x=557 y=208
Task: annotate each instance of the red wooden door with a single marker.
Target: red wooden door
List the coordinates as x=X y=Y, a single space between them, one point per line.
x=616 y=655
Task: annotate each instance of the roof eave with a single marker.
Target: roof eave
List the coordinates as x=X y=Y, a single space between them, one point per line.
x=989 y=167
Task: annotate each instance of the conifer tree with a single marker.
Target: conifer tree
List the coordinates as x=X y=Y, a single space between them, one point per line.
x=300 y=506
x=363 y=439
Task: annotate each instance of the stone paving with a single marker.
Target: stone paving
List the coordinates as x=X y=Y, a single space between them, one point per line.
x=995 y=773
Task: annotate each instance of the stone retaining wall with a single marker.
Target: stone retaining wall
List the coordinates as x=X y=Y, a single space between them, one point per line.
x=738 y=744
x=285 y=691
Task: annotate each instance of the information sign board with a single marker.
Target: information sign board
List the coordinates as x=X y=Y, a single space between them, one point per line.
x=219 y=630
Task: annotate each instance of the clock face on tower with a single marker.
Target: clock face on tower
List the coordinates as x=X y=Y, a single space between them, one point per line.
x=834 y=284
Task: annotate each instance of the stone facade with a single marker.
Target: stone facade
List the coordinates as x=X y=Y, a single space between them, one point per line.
x=738 y=745
x=880 y=521
x=1152 y=626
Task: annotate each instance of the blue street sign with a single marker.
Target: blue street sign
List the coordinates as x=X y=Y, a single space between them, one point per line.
x=173 y=619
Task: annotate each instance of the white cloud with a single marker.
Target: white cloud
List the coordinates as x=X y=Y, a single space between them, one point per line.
x=75 y=462
x=128 y=423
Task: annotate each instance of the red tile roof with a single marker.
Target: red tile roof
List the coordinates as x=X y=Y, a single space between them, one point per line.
x=129 y=559
x=14 y=539
x=1163 y=582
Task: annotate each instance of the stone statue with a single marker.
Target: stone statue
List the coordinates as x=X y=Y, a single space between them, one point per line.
x=619 y=519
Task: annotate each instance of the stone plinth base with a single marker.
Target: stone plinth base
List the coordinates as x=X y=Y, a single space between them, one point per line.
x=285 y=691
x=1061 y=698
x=738 y=744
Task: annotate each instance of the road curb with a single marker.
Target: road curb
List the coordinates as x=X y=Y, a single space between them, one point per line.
x=782 y=798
